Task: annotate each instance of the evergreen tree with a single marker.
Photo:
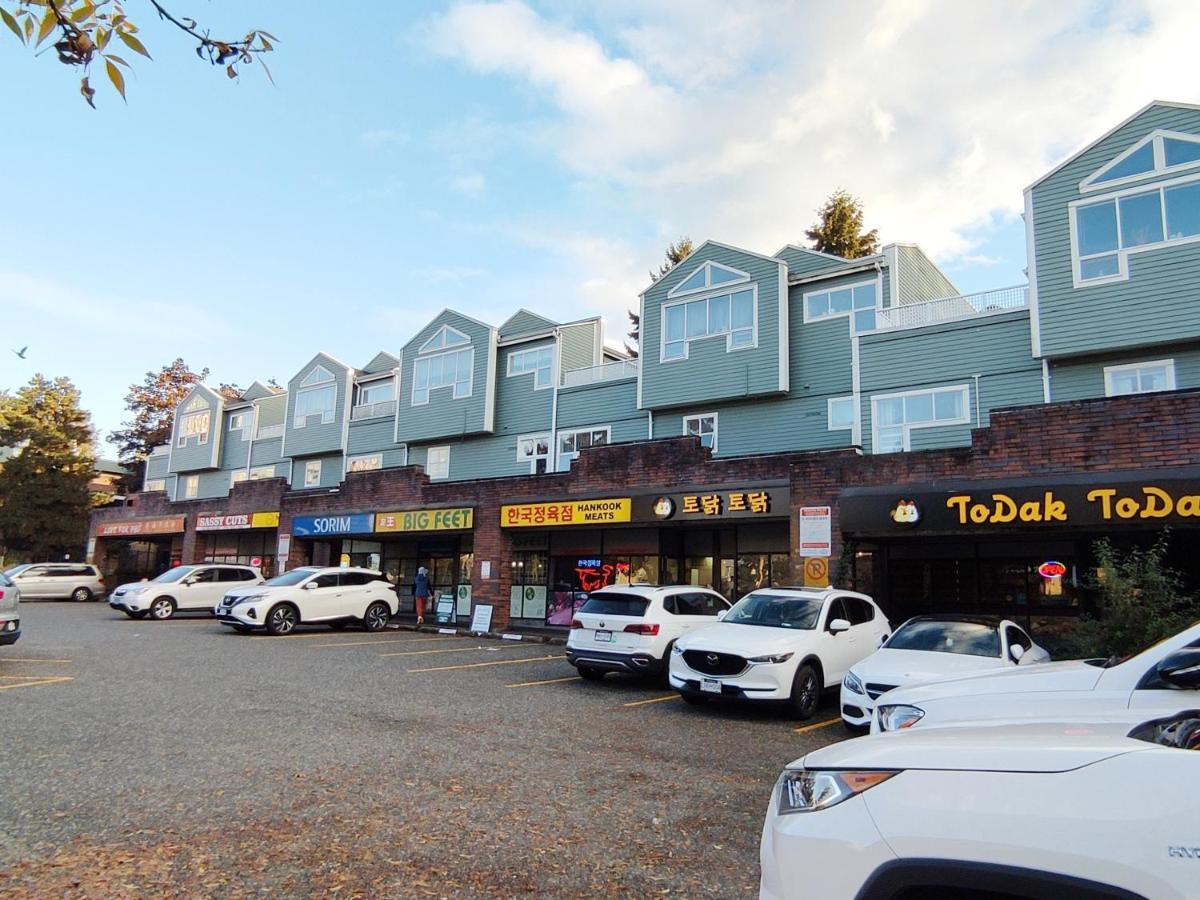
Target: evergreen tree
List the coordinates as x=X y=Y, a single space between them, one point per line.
x=153 y=405
x=840 y=230
x=677 y=252
x=44 y=497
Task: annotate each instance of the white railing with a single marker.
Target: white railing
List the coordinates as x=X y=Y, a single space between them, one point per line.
x=269 y=431
x=613 y=371
x=949 y=309
x=373 y=410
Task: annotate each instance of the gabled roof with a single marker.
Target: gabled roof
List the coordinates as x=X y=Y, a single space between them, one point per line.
x=711 y=243
x=439 y=317
x=830 y=256
x=1088 y=146
x=200 y=388
x=318 y=358
x=522 y=322
x=258 y=391
x=381 y=362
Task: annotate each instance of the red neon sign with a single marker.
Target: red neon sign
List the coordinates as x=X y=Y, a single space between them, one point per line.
x=1052 y=569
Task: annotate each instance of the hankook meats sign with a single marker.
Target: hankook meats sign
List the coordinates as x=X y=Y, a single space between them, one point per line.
x=1139 y=499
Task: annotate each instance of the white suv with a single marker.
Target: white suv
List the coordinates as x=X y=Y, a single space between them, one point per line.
x=631 y=628
x=10 y=611
x=331 y=596
x=779 y=645
x=181 y=589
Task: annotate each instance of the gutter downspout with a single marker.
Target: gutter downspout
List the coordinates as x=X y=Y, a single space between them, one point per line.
x=649 y=424
x=552 y=462
x=1045 y=380
x=978 y=410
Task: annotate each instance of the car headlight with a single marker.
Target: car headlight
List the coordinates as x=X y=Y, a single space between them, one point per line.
x=250 y=598
x=853 y=683
x=676 y=650
x=899 y=716
x=804 y=790
x=771 y=658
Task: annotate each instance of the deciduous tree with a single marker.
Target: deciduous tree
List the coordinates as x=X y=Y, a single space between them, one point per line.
x=840 y=230
x=44 y=497
x=89 y=31
x=153 y=405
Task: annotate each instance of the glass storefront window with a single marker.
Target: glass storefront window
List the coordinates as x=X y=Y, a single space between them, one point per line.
x=698 y=571
x=234 y=548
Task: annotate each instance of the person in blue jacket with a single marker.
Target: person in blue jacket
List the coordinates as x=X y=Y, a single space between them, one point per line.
x=421 y=592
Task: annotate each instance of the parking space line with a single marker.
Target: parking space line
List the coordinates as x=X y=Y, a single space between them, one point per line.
x=380 y=641
x=25 y=659
x=547 y=681
x=27 y=676
x=57 y=679
x=454 y=650
x=653 y=700
x=803 y=728
x=495 y=662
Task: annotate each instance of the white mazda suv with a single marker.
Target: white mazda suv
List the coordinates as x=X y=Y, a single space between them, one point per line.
x=331 y=596
x=779 y=645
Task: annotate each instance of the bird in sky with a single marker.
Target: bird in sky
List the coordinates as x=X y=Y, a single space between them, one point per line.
x=21 y=352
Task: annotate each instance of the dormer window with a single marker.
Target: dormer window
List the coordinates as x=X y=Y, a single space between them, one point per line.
x=709 y=275
x=194 y=423
x=443 y=370
x=1160 y=152
x=445 y=338
x=316 y=396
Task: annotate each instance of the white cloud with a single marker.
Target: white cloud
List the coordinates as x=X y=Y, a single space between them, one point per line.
x=734 y=121
x=471 y=184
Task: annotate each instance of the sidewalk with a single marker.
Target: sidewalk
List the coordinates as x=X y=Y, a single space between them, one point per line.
x=528 y=634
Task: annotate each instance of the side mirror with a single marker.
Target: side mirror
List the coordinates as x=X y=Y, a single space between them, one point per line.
x=883 y=640
x=310 y=586
x=837 y=626
x=721 y=614
x=1181 y=669
x=1016 y=651
x=191 y=579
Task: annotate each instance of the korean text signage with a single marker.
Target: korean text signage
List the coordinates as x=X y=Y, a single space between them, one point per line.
x=426 y=520
x=244 y=520
x=742 y=503
x=1098 y=502
x=573 y=512
x=320 y=526
x=135 y=527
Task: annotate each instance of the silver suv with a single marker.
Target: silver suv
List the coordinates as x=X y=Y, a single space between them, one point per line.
x=58 y=581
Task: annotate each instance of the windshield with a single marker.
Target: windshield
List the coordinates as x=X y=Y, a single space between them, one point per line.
x=776 y=611
x=289 y=578
x=4 y=582
x=16 y=570
x=174 y=574
x=967 y=638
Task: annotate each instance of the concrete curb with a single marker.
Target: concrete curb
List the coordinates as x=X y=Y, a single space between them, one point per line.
x=490 y=635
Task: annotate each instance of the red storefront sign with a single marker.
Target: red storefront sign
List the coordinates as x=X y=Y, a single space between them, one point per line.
x=138 y=527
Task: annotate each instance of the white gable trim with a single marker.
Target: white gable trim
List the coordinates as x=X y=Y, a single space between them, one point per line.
x=811 y=251
x=1160 y=167
x=707 y=267
x=444 y=332
x=730 y=247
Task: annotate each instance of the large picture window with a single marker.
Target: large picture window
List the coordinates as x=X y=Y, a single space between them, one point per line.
x=444 y=370
x=894 y=416
x=732 y=315
x=539 y=360
x=316 y=396
x=194 y=426
x=858 y=301
x=571 y=442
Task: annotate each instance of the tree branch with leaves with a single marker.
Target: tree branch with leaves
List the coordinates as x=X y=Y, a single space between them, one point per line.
x=86 y=30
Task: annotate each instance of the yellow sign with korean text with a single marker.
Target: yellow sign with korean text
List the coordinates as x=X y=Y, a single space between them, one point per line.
x=458 y=519
x=569 y=512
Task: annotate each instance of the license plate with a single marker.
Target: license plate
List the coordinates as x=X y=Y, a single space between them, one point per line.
x=711 y=685
x=604 y=637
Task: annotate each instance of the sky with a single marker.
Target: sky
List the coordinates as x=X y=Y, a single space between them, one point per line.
x=488 y=156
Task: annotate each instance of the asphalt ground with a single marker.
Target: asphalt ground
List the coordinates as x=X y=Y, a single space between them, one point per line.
x=178 y=758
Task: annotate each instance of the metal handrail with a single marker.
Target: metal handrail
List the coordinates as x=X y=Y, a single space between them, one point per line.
x=949 y=309
x=611 y=371
x=373 y=410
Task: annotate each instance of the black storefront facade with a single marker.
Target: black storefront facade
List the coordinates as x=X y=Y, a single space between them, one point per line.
x=1021 y=548
x=730 y=538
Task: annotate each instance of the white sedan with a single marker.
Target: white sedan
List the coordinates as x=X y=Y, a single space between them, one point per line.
x=1080 y=809
x=332 y=596
x=928 y=648
x=1075 y=687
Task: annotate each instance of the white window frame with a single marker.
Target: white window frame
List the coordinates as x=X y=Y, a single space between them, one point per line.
x=441 y=340
x=572 y=455
x=363 y=388
x=191 y=487
x=1160 y=161
x=852 y=399
x=238 y=421
x=430 y=387
x=723 y=291
x=154 y=484
x=1111 y=371
x=442 y=472
x=532 y=458
x=187 y=430
x=319 y=379
x=699 y=419
x=537 y=370
x=849 y=314
x=257 y=473
x=1123 y=253
x=375 y=460
x=908 y=428
x=708 y=266
x=312 y=473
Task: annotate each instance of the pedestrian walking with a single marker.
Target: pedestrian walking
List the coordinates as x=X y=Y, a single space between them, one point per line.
x=421 y=592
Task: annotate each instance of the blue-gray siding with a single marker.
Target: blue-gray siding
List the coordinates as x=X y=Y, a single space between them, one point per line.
x=443 y=416
x=918 y=278
x=317 y=437
x=1081 y=378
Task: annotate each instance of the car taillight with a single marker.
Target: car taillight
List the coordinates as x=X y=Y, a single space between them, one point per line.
x=1 y=593
x=575 y=623
x=642 y=629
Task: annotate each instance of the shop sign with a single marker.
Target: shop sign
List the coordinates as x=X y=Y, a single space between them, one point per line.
x=816 y=530
x=319 y=526
x=1108 y=500
x=816 y=572
x=481 y=622
x=136 y=527
x=573 y=512
x=426 y=520
x=242 y=520
x=1052 y=569
x=445 y=609
x=742 y=503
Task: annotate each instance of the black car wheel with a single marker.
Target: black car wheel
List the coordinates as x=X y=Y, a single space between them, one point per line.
x=282 y=620
x=806 y=692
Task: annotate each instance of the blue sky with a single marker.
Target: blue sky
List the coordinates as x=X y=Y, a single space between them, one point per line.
x=490 y=156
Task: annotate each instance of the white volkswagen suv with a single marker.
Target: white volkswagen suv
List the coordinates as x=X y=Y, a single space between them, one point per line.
x=181 y=589
x=631 y=628
x=330 y=596
x=779 y=645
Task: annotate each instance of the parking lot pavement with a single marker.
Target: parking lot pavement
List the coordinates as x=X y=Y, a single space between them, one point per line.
x=181 y=758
